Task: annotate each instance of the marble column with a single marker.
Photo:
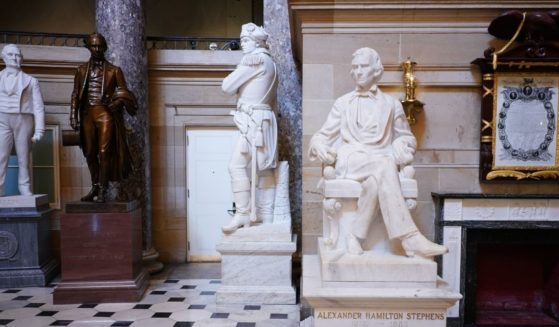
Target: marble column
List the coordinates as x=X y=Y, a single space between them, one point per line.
x=276 y=23
x=122 y=23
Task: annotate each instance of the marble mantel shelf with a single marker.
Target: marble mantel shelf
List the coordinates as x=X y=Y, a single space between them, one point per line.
x=489 y=208
x=492 y=196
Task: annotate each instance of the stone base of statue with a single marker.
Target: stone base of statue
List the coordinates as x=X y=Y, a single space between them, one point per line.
x=25 y=249
x=375 y=289
x=376 y=269
x=101 y=251
x=256 y=265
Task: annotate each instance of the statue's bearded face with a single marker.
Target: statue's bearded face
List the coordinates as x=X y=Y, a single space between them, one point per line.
x=363 y=71
x=12 y=56
x=248 y=44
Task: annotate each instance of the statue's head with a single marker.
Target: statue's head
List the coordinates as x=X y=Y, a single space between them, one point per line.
x=253 y=37
x=12 y=56
x=97 y=45
x=366 y=68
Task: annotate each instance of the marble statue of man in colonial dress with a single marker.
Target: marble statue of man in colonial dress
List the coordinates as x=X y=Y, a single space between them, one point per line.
x=254 y=157
x=22 y=116
x=375 y=141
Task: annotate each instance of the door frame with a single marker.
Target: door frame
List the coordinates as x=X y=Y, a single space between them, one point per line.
x=188 y=128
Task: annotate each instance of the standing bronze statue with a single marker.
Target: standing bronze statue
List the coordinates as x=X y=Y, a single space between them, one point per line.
x=99 y=98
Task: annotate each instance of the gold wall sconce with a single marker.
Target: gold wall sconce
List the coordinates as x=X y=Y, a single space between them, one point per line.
x=411 y=105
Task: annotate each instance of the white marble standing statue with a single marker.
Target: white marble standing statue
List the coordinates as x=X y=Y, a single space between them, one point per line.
x=252 y=166
x=256 y=261
x=368 y=139
x=22 y=116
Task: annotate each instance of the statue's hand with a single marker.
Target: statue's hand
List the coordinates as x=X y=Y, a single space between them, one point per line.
x=246 y=109
x=115 y=105
x=403 y=153
x=37 y=136
x=74 y=123
x=411 y=204
x=324 y=153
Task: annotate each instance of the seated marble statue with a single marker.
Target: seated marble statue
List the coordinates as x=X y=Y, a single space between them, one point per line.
x=367 y=138
x=22 y=117
x=253 y=166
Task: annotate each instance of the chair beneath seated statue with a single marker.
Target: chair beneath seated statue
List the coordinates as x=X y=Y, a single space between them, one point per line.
x=340 y=205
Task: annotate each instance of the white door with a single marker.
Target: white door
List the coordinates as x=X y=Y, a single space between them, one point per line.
x=209 y=193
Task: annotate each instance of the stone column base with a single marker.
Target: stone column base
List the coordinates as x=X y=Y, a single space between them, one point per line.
x=150 y=262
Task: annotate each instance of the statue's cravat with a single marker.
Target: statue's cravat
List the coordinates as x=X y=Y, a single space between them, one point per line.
x=358 y=99
x=10 y=82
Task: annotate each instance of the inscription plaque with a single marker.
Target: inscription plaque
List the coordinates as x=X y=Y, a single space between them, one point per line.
x=379 y=318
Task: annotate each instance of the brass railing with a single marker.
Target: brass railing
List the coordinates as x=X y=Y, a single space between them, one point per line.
x=152 y=42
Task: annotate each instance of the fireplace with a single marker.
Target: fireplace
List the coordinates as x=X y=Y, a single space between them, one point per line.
x=504 y=258
x=512 y=277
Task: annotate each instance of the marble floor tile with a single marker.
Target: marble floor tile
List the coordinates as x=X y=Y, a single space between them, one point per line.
x=191 y=315
x=32 y=322
x=160 y=308
x=74 y=314
x=216 y=323
x=169 y=301
x=132 y=315
x=154 y=322
x=277 y=323
x=5 y=305
x=93 y=322
x=19 y=313
x=114 y=307
x=169 y=307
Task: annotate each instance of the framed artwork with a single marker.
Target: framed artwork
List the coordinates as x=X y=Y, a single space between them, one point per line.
x=520 y=100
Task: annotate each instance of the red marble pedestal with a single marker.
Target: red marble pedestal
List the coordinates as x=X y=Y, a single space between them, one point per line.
x=101 y=254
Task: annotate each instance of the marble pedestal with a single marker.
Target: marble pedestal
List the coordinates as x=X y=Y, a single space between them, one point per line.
x=256 y=266
x=25 y=250
x=402 y=298
x=101 y=251
x=381 y=270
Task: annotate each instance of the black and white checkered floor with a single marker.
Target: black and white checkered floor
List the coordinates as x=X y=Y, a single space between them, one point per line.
x=170 y=302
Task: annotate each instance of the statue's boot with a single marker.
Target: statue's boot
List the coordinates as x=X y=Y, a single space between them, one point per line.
x=93 y=166
x=104 y=166
x=101 y=196
x=353 y=245
x=265 y=204
x=92 y=193
x=24 y=189
x=265 y=196
x=242 y=213
x=237 y=221
x=415 y=244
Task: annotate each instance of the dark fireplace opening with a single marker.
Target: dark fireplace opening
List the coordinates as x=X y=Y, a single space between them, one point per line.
x=512 y=277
